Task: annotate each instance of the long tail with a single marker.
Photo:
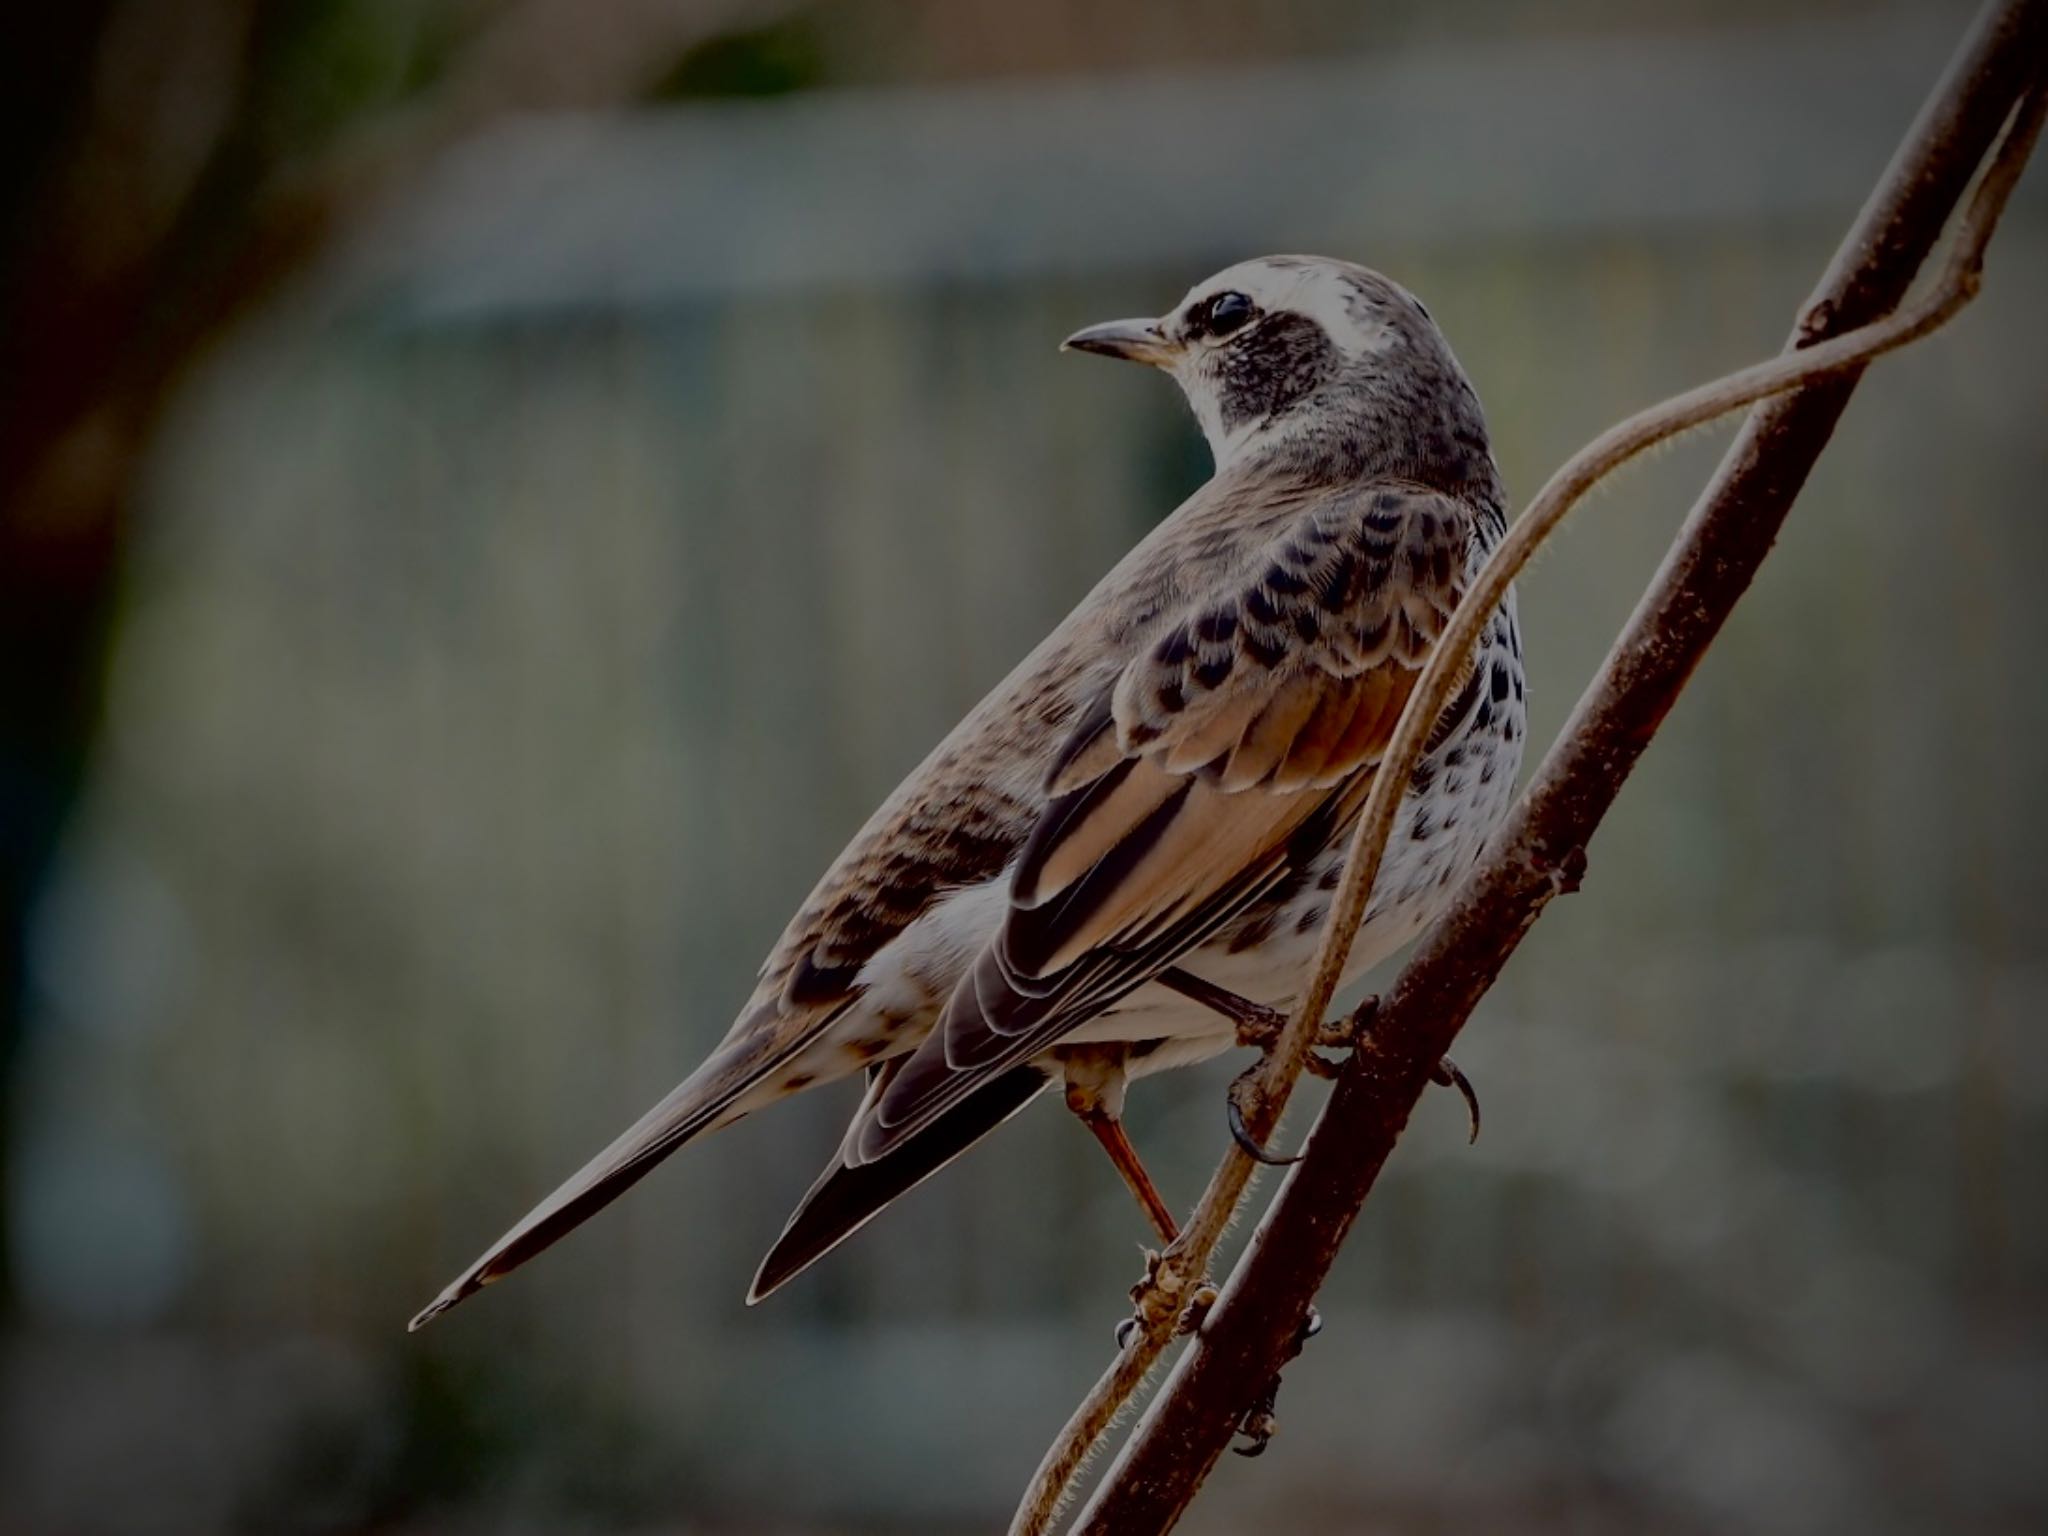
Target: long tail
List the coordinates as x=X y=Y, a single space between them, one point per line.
x=715 y=1094
x=846 y=1198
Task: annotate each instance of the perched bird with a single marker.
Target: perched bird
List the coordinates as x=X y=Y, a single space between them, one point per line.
x=1142 y=825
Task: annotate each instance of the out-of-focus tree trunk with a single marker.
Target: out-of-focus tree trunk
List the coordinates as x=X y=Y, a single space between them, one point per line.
x=174 y=164
x=67 y=455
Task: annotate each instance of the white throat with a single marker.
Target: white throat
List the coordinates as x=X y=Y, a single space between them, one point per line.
x=1230 y=444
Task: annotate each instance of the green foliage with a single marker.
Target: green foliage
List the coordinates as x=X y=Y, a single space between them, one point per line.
x=764 y=61
x=320 y=64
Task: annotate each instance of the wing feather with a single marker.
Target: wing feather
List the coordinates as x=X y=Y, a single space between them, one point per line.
x=1266 y=745
x=1256 y=712
x=956 y=822
x=847 y=1196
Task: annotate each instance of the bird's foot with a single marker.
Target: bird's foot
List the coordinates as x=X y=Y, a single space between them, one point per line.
x=1191 y=1318
x=1144 y=1298
x=1259 y=1027
x=1351 y=1031
x=1157 y=1297
x=1354 y=1032
x=1259 y=1425
x=1447 y=1074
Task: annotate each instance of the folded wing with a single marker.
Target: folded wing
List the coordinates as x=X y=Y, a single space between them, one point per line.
x=1229 y=753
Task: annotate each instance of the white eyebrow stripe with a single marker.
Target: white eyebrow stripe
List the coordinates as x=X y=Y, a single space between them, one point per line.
x=1321 y=293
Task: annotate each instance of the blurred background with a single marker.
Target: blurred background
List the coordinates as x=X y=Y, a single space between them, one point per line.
x=493 y=491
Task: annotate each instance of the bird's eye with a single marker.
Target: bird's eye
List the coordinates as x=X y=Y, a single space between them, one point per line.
x=1223 y=314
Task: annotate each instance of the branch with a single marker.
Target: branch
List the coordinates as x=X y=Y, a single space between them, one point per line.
x=1245 y=1339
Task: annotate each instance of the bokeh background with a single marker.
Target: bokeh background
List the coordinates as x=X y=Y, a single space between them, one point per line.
x=492 y=494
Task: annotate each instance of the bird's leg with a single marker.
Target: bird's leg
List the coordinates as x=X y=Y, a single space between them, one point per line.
x=1110 y=1132
x=1095 y=1093
x=1259 y=1027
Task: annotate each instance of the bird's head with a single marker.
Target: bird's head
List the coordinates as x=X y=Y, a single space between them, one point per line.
x=1306 y=355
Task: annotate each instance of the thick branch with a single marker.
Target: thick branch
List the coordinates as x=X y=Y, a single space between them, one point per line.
x=1246 y=1337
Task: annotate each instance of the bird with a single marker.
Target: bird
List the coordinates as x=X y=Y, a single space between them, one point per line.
x=1121 y=858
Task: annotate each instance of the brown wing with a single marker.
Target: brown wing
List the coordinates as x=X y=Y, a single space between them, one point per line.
x=958 y=820
x=1225 y=756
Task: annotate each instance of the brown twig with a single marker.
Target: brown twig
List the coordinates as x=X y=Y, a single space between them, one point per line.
x=1181 y=1438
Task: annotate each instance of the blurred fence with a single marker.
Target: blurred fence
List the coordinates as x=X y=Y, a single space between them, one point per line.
x=518 y=636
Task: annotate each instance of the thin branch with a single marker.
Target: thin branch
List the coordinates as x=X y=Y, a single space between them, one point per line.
x=1186 y=1259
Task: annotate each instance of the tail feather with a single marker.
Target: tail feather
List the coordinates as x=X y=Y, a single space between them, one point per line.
x=709 y=1097
x=845 y=1198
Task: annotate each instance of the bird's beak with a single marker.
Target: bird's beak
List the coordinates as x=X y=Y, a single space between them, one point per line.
x=1136 y=341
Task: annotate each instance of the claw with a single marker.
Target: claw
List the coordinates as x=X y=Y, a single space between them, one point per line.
x=1242 y=1134
x=1448 y=1075
x=1258 y=1424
